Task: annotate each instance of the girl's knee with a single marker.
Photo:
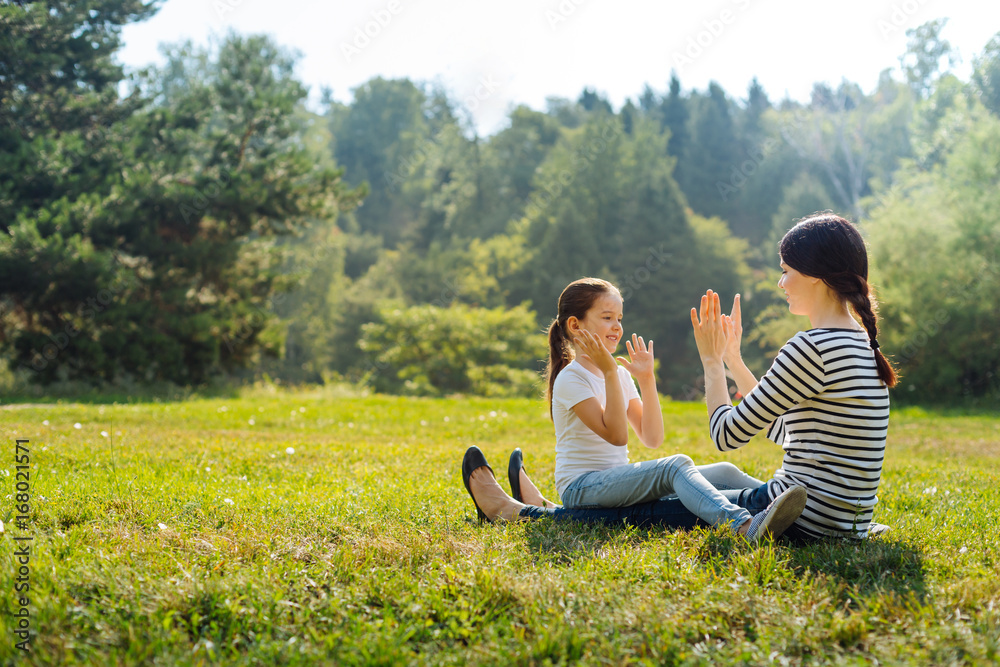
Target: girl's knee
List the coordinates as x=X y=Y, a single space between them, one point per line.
x=679 y=461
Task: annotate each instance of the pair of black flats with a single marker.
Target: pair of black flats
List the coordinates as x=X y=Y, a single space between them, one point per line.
x=474 y=459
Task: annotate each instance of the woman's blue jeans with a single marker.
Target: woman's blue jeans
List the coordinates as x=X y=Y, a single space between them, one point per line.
x=670 y=512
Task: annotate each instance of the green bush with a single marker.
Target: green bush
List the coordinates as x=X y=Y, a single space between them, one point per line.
x=429 y=350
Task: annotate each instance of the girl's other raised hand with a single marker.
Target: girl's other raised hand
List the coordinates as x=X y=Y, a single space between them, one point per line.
x=592 y=348
x=709 y=329
x=640 y=361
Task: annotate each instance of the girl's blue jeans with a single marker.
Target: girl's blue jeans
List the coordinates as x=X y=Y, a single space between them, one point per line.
x=696 y=488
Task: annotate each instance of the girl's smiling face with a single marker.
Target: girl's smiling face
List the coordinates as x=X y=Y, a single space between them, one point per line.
x=604 y=319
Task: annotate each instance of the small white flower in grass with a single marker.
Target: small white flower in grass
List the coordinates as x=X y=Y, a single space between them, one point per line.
x=273 y=456
x=930 y=490
x=77 y=425
x=301 y=409
x=162 y=526
x=251 y=421
x=423 y=422
x=1 y=526
x=290 y=450
x=493 y=413
x=447 y=419
x=963 y=550
x=350 y=424
x=482 y=418
x=104 y=434
x=208 y=470
x=228 y=501
x=45 y=423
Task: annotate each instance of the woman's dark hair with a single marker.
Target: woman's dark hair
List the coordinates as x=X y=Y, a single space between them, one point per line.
x=574 y=301
x=827 y=247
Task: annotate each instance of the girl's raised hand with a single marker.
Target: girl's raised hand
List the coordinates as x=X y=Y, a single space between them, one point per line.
x=592 y=348
x=709 y=329
x=640 y=361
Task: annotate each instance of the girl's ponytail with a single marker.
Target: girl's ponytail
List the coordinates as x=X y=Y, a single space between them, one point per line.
x=560 y=354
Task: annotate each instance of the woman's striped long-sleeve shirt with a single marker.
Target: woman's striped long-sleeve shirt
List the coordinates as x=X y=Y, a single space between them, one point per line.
x=823 y=402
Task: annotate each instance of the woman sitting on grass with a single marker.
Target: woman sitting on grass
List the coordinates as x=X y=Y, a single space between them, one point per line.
x=593 y=400
x=825 y=399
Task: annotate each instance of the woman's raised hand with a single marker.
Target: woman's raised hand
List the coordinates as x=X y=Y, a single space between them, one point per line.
x=733 y=325
x=592 y=347
x=709 y=328
x=640 y=358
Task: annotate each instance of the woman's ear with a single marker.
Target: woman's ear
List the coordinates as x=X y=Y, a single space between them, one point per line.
x=572 y=325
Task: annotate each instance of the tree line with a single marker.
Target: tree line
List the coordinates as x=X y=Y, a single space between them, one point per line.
x=198 y=220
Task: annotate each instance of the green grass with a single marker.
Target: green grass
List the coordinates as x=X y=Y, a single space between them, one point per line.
x=361 y=546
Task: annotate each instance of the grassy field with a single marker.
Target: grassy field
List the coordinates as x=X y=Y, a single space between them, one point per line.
x=316 y=528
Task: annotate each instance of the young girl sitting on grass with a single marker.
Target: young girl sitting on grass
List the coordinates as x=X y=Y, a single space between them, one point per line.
x=592 y=401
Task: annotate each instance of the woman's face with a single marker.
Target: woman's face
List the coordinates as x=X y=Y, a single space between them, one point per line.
x=798 y=289
x=604 y=319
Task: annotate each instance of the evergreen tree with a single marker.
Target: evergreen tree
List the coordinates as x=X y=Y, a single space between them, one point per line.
x=674 y=116
x=168 y=271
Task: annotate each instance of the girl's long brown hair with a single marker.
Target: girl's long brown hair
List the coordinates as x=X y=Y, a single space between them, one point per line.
x=574 y=301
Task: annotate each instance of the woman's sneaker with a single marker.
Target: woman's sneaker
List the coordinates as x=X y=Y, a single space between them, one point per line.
x=779 y=515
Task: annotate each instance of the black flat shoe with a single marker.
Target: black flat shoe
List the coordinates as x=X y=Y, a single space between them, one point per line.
x=473 y=460
x=513 y=473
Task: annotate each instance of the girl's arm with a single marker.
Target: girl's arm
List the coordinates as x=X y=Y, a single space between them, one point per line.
x=611 y=421
x=647 y=423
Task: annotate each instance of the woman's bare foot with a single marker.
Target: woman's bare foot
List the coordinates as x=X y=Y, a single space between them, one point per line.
x=491 y=498
x=530 y=493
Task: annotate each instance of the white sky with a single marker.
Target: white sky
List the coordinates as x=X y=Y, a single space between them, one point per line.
x=522 y=51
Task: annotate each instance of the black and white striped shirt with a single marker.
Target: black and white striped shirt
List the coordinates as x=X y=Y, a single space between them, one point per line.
x=829 y=411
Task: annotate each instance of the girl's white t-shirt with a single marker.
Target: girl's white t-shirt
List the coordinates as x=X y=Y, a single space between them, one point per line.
x=579 y=449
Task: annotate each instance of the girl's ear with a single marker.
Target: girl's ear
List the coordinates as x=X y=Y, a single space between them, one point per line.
x=572 y=324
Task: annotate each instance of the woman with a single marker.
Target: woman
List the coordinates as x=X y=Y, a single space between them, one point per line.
x=825 y=399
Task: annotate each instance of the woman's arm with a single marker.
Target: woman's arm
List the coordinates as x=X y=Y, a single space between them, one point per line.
x=710 y=336
x=610 y=422
x=647 y=423
x=797 y=374
x=733 y=325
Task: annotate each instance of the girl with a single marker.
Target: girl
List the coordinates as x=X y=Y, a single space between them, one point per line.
x=825 y=400
x=592 y=401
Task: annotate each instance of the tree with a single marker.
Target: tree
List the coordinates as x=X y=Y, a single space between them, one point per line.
x=168 y=272
x=925 y=51
x=377 y=139
x=713 y=151
x=935 y=248
x=986 y=75
x=674 y=115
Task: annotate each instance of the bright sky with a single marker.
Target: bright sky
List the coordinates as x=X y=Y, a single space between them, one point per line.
x=493 y=54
